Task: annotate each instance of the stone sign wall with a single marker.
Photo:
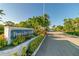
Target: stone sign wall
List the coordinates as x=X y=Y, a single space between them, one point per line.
x=12 y=32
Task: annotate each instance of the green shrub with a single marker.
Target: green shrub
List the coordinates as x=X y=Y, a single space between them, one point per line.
x=27 y=36
x=34 y=44
x=73 y=33
x=19 y=39
x=24 y=49
x=1 y=31
x=15 y=54
x=3 y=43
x=15 y=42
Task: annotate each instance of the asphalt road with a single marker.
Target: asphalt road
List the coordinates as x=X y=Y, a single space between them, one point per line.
x=53 y=47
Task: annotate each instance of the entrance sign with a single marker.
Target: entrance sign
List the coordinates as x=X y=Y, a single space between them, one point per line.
x=15 y=33
x=12 y=32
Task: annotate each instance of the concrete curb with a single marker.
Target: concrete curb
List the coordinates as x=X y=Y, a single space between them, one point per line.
x=38 y=47
x=75 y=45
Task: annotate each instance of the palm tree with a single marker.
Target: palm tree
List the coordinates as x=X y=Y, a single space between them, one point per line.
x=46 y=20
x=1 y=13
x=46 y=16
x=9 y=23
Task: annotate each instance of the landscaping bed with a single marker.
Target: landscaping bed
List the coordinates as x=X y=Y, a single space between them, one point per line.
x=34 y=45
x=19 y=39
x=73 y=33
x=1 y=31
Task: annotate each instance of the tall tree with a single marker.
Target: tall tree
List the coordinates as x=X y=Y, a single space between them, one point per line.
x=1 y=14
x=68 y=25
x=1 y=26
x=36 y=22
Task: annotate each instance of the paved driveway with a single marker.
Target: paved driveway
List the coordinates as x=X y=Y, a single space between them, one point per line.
x=54 y=46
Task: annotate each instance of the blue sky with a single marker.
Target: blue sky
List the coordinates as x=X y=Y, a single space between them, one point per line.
x=19 y=12
x=57 y=12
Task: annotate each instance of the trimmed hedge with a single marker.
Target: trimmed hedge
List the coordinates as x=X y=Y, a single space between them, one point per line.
x=15 y=54
x=24 y=49
x=73 y=33
x=34 y=44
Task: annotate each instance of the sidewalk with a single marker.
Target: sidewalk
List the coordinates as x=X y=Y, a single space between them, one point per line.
x=71 y=38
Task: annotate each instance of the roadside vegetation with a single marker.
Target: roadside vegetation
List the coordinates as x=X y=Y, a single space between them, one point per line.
x=1 y=29
x=3 y=42
x=20 y=39
x=1 y=26
x=40 y=24
x=24 y=49
x=34 y=44
x=70 y=26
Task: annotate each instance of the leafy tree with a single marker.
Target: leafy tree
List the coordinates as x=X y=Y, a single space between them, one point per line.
x=58 y=28
x=1 y=28
x=10 y=23
x=36 y=22
x=1 y=13
x=70 y=26
x=54 y=28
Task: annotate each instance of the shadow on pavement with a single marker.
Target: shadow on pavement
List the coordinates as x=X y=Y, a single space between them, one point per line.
x=53 y=47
